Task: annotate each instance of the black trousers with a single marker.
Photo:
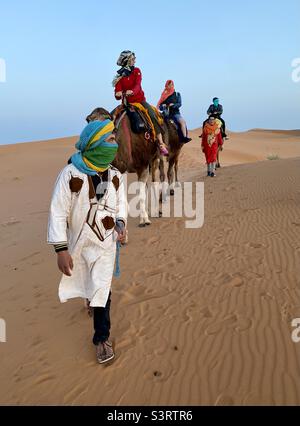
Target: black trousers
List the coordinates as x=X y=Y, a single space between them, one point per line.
x=102 y=322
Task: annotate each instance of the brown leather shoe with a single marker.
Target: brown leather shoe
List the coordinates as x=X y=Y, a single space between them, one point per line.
x=104 y=352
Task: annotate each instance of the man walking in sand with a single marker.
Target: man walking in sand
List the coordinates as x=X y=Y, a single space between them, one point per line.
x=88 y=215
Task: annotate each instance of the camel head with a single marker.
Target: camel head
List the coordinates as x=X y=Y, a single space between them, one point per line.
x=99 y=114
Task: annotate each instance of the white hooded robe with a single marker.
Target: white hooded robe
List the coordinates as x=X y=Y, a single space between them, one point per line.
x=86 y=225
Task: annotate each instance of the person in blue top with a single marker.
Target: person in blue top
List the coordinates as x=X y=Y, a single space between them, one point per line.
x=169 y=104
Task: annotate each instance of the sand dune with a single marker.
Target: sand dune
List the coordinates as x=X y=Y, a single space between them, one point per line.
x=199 y=316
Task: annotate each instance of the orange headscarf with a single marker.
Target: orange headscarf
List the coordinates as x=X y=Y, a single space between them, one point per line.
x=213 y=128
x=211 y=131
x=166 y=93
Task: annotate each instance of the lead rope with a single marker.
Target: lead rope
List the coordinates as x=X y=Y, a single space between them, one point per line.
x=117 y=271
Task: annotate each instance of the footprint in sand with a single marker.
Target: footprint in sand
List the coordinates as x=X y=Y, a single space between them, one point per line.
x=231 y=280
x=44 y=378
x=232 y=321
x=236 y=282
x=289 y=312
x=136 y=290
x=152 y=240
x=255 y=245
x=148 y=272
x=229 y=257
x=11 y=221
x=30 y=256
x=25 y=371
x=253 y=209
x=39 y=294
x=267 y=296
x=37 y=341
x=194 y=312
x=206 y=312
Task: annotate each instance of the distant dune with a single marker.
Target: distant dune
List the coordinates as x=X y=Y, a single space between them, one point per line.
x=281 y=132
x=199 y=316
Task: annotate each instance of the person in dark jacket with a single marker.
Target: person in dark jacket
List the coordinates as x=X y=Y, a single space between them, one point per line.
x=216 y=110
x=170 y=103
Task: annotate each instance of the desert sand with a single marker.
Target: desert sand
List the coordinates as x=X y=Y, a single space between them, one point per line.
x=199 y=316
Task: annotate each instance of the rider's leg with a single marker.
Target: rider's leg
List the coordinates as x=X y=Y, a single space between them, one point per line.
x=182 y=126
x=181 y=122
x=223 y=127
x=160 y=139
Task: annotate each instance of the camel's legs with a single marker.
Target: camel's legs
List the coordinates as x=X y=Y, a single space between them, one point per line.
x=170 y=175
x=143 y=178
x=218 y=160
x=161 y=192
x=177 y=183
x=155 y=165
x=162 y=175
x=162 y=179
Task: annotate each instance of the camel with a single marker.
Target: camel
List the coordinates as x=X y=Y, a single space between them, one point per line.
x=135 y=155
x=174 y=144
x=220 y=148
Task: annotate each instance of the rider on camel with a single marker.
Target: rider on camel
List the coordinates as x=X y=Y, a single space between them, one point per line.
x=169 y=103
x=128 y=83
x=216 y=110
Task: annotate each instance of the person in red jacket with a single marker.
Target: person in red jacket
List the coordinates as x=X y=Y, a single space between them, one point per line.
x=128 y=82
x=211 y=141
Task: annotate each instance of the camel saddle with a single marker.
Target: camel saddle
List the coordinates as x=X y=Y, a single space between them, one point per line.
x=139 y=122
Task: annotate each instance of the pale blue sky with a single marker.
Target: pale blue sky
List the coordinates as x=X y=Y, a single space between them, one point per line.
x=61 y=58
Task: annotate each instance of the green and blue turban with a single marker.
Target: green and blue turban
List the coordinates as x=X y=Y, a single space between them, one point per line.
x=94 y=153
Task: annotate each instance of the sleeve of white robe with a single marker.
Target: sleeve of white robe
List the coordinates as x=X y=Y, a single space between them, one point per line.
x=59 y=210
x=122 y=206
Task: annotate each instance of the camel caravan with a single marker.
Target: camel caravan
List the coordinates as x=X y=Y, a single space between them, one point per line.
x=146 y=135
x=88 y=212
